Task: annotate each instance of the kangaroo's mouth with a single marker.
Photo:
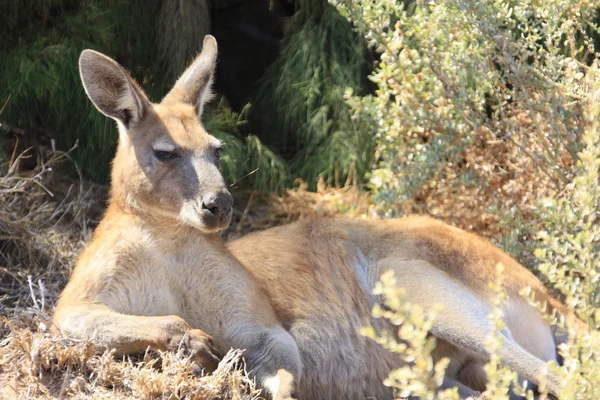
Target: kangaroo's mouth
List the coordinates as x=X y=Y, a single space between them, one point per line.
x=214 y=220
x=205 y=219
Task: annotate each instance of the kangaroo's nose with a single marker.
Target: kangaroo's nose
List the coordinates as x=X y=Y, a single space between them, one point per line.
x=218 y=204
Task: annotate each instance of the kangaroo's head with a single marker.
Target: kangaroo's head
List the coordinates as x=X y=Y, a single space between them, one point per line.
x=166 y=164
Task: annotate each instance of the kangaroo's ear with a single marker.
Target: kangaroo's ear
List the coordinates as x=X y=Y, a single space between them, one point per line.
x=111 y=89
x=194 y=86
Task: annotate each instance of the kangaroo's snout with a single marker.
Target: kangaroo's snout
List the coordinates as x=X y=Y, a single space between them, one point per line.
x=218 y=204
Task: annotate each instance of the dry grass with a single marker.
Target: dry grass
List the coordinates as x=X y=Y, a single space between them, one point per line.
x=36 y=364
x=45 y=220
x=255 y=211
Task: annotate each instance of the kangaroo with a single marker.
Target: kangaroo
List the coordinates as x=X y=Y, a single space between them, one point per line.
x=156 y=274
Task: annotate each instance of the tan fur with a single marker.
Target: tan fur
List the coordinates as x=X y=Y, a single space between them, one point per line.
x=294 y=297
x=318 y=276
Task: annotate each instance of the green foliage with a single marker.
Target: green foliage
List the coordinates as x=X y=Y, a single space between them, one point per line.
x=518 y=72
x=569 y=252
x=301 y=102
x=450 y=70
x=40 y=43
x=245 y=161
x=570 y=255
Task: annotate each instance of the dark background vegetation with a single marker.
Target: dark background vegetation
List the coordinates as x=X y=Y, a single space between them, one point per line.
x=283 y=68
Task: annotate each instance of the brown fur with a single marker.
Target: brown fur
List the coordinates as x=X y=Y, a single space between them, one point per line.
x=294 y=297
x=309 y=272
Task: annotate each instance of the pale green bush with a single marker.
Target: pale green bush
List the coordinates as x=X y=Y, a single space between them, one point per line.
x=420 y=377
x=569 y=253
x=570 y=256
x=490 y=108
x=478 y=103
x=500 y=377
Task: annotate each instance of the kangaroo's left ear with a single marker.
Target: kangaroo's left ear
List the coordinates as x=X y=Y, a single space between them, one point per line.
x=111 y=89
x=194 y=86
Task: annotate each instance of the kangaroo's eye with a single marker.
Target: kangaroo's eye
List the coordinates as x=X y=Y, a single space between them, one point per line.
x=218 y=152
x=164 y=155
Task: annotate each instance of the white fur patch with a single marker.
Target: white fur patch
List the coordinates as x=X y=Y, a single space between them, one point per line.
x=163 y=145
x=272 y=384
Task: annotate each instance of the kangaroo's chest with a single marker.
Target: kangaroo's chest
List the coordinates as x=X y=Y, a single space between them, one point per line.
x=142 y=283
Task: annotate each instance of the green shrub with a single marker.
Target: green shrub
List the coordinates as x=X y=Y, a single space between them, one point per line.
x=40 y=41
x=246 y=161
x=569 y=252
x=491 y=107
x=301 y=101
x=477 y=103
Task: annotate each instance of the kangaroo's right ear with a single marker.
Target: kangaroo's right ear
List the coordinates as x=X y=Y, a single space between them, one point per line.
x=111 y=89
x=194 y=86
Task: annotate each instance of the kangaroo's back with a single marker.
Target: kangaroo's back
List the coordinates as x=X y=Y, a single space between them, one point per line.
x=462 y=255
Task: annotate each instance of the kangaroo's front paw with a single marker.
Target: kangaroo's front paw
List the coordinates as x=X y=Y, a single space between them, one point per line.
x=204 y=350
x=285 y=394
x=200 y=345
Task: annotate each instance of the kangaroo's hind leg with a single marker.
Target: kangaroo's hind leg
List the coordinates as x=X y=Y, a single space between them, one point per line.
x=464 y=320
